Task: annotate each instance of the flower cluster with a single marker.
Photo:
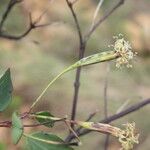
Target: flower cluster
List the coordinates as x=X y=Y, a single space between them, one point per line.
x=127 y=137
x=124 y=51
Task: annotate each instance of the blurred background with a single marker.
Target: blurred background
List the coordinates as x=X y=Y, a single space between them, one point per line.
x=45 y=52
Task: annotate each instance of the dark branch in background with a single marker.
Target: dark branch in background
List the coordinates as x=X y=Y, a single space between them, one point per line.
x=113 y=117
x=10 y=5
x=70 y=5
x=80 y=128
x=81 y=55
x=96 y=25
x=82 y=47
x=32 y=24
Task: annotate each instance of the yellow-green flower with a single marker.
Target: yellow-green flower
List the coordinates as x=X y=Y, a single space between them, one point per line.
x=128 y=137
x=124 y=50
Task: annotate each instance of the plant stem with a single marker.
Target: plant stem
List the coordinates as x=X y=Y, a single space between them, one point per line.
x=49 y=84
x=100 y=127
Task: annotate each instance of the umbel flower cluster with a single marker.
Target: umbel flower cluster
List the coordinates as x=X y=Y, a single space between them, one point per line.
x=128 y=137
x=124 y=50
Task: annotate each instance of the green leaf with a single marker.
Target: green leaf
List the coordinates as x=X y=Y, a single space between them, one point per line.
x=95 y=58
x=5 y=90
x=45 y=141
x=17 y=128
x=47 y=122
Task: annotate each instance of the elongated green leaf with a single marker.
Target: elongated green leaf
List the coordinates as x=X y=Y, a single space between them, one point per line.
x=45 y=141
x=5 y=90
x=17 y=128
x=96 y=58
x=46 y=122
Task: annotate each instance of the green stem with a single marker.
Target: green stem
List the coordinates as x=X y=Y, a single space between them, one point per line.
x=49 y=84
x=100 y=127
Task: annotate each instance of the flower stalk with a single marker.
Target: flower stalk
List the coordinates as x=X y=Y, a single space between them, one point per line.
x=122 y=53
x=127 y=137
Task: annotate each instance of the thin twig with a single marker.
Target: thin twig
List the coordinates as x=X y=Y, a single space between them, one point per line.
x=72 y=131
x=114 y=117
x=96 y=12
x=81 y=55
x=10 y=6
x=80 y=128
x=96 y=25
x=70 y=5
x=32 y=25
x=123 y=106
